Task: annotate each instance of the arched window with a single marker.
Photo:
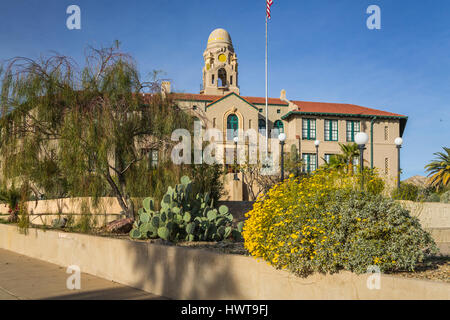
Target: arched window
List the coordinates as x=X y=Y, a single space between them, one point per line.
x=222 y=75
x=262 y=126
x=232 y=126
x=278 y=127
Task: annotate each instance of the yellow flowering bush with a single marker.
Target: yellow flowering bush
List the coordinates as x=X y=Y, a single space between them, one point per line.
x=324 y=223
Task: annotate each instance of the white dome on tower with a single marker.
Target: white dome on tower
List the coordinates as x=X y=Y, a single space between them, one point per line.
x=220 y=73
x=219 y=38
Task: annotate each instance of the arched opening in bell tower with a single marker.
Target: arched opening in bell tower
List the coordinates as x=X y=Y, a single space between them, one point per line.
x=222 y=75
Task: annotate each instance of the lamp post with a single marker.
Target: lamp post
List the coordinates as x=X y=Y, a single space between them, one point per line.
x=235 y=139
x=398 y=142
x=282 y=138
x=361 y=139
x=317 y=143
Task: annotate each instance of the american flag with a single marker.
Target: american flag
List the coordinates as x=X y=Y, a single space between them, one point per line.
x=269 y=4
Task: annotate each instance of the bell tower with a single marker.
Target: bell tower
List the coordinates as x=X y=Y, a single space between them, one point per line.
x=220 y=73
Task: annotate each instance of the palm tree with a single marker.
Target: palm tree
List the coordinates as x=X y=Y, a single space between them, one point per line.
x=336 y=162
x=349 y=152
x=439 y=169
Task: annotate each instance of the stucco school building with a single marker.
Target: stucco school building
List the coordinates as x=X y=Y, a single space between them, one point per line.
x=220 y=105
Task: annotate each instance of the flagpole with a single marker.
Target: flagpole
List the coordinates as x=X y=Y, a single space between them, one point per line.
x=267 y=107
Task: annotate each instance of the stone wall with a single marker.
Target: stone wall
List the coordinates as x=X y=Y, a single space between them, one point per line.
x=42 y=212
x=431 y=214
x=186 y=273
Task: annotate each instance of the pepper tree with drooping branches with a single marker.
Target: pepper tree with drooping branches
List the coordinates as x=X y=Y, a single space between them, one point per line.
x=71 y=131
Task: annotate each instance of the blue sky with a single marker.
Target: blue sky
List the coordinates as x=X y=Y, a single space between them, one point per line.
x=320 y=50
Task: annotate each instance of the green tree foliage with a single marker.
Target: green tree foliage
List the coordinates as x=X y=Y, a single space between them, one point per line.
x=349 y=152
x=208 y=179
x=293 y=163
x=343 y=160
x=11 y=197
x=439 y=170
x=407 y=191
x=445 y=197
x=336 y=162
x=80 y=132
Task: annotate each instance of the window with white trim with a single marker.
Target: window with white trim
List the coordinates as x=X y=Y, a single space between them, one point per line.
x=353 y=127
x=309 y=129
x=309 y=162
x=331 y=130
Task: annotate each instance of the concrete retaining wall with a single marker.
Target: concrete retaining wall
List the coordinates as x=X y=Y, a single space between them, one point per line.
x=42 y=212
x=184 y=273
x=431 y=214
x=70 y=205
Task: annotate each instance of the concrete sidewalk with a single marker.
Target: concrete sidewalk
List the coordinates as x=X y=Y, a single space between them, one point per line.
x=26 y=278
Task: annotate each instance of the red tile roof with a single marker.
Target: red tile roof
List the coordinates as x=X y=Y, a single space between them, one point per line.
x=341 y=108
x=211 y=98
x=304 y=106
x=259 y=100
x=194 y=96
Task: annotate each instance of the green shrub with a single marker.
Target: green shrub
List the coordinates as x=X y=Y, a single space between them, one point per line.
x=324 y=223
x=208 y=179
x=434 y=197
x=374 y=185
x=11 y=197
x=445 y=197
x=184 y=215
x=406 y=191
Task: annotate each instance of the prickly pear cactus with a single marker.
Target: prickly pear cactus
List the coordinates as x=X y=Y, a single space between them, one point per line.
x=184 y=216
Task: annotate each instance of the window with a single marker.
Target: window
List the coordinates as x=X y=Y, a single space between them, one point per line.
x=153 y=158
x=212 y=79
x=309 y=129
x=309 y=162
x=331 y=130
x=232 y=126
x=194 y=108
x=231 y=80
x=250 y=123
x=278 y=127
x=260 y=110
x=355 y=163
x=386 y=133
x=214 y=122
x=278 y=110
x=386 y=166
x=353 y=128
x=262 y=126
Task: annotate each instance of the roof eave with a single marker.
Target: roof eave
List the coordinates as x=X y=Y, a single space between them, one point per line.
x=356 y=115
